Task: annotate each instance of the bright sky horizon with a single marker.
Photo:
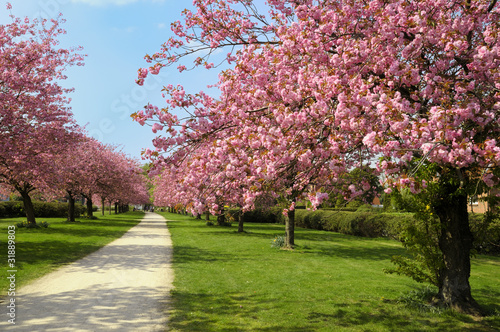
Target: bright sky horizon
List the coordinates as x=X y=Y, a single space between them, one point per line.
x=115 y=34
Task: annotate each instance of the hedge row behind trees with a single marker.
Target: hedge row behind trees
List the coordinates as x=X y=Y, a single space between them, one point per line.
x=13 y=209
x=372 y=224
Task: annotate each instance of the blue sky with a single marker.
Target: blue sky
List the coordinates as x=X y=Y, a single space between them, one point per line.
x=115 y=34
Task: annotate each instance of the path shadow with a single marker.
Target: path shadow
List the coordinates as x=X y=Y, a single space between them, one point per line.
x=120 y=309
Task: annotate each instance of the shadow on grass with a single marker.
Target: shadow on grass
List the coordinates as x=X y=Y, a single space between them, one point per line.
x=237 y=312
x=64 y=242
x=51 y=252
x=60 y=252
x=207 y=312
x=324 y=243
x=488 y=297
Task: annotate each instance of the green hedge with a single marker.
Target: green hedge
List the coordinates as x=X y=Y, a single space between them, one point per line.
x=486 y=234
x=372 y=224
x=271 y=215
x=369 y=223
x=13 y=209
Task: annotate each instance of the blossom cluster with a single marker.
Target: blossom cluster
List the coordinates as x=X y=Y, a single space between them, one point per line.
x=321 y=88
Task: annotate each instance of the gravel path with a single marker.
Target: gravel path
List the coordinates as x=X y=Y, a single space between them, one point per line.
x=121 y=287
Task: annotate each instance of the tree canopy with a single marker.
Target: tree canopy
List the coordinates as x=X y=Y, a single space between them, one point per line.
x=319 y=88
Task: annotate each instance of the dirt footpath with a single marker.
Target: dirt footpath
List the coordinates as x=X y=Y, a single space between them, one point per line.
x=121 y=287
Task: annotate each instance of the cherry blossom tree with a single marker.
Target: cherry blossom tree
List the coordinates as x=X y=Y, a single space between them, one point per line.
x=34 y=113
x=319 y=88
x=98 y=171
x=126 y=183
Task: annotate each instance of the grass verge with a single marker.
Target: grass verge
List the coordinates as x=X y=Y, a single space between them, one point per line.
x=40 y=251
x=229 y=281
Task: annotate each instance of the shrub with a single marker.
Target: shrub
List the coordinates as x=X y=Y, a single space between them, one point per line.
x=368 y=224
x=259 y=215
x=278 y=242
x=486 y=230
x=25 y=224
x=13 y=209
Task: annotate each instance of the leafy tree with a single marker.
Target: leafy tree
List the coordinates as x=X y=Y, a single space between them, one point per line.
x=319 y=88
x=35 y=121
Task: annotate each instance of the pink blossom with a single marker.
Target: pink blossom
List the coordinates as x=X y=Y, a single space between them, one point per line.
x=156 y=127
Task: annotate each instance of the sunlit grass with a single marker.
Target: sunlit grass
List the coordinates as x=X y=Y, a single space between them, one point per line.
x=40 y=251
x=229 y=281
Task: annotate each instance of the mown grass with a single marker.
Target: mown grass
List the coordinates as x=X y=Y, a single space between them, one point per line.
x=229 y=281
x=40 y=251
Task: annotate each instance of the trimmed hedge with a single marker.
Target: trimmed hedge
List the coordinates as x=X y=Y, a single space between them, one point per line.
x=13 y=209
x=368 y=223
x=268 y=216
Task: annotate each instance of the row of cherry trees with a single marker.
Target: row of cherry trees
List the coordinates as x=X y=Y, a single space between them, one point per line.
x=42 y=149
x=405 y=89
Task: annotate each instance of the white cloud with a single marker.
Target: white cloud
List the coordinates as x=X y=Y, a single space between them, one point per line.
x=161 y=26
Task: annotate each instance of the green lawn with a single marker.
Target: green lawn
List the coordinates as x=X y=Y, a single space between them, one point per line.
x=226 y=281
x=40 y=251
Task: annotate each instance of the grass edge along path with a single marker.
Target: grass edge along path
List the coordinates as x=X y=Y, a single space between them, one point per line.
x=229 y=281
x=41 y=251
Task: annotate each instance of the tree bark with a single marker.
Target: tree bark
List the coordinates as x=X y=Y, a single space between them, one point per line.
x=90 y=212
x=71 y=207
x=455 y=243
x=221 y=219
x=290 y=229
x=28 y=206
x=103 y=202
x=240 y=221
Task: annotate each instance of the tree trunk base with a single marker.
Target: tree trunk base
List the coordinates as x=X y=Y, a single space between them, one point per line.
x=464 y=306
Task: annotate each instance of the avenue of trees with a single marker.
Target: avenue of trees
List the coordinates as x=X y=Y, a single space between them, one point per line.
x=42 y=149
x=407 y=91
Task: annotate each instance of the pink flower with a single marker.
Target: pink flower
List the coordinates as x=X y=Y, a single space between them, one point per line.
x=142 y=73
x=156 y=127
x=369 y=139
x=490 y=180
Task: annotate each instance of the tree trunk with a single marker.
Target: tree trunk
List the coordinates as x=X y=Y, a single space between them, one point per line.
x=221 y=219
x=71 y=207
x=207 y=216
x=455 y=243
x=290 y=229
x=103 y=204
x=116 y=208
x=28 y=207
x=240 y=221
x=90 y=212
